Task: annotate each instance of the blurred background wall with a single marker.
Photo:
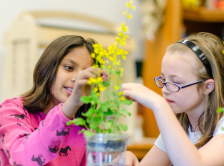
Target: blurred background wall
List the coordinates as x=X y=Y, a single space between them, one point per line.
x=110 y=10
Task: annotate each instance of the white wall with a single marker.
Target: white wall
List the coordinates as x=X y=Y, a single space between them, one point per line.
x=106 y=9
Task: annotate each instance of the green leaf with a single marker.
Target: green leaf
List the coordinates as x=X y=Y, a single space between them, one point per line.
x=126 y=102
x=220 y=110
x=118 y=72
x=109 y=123
x=106 y=83
x=117 y=128
x=82 y=131
x=94 y=125
x=85 y=99
x=109 y=130
x=90 y=112
x=79 y=121
x=112 y=93
x=109 y=112
x=69 y=122
x=123 y=127
x=88 y=133
x=124 y=112
x=97 y=119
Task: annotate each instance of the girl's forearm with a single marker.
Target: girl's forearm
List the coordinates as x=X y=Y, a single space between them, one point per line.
x=180 y=149
x=69 y=108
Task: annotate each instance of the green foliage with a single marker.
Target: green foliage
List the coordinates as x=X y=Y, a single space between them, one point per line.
x=220 y=110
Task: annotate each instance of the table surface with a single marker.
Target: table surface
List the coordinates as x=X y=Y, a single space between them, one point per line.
x=141 y=147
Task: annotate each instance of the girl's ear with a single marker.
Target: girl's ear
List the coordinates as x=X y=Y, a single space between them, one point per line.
x=209 y=86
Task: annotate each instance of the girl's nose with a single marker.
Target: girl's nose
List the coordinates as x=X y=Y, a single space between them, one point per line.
x=165 y=90
x=73 y=76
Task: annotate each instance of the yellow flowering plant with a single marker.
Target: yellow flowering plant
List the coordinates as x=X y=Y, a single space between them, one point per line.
x=99 y=115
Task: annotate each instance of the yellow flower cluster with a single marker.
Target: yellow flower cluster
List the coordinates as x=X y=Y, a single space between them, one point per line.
x=121 y=38
x=129 y=5
x=110 y=58
x=98 y=80
x=98 y=84
x=121 y=96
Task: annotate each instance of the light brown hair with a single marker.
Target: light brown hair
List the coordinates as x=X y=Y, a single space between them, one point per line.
x=212 y=47
x=38 y=97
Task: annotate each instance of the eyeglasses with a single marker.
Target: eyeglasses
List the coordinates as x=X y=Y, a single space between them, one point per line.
x=172 y=87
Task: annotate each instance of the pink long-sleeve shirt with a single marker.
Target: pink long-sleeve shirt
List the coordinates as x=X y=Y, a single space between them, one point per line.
x=28 y=139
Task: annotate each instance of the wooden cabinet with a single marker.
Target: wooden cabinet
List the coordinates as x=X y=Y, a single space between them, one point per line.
x=204 y=20
x=169 y=33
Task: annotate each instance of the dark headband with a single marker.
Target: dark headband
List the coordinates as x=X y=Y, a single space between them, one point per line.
x=199 y=53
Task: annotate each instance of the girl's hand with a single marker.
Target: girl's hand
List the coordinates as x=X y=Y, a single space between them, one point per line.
x=142 y=94
x=81 y=87
x=130 y=159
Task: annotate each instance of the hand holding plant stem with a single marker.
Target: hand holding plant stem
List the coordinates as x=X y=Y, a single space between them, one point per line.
x=110 y=61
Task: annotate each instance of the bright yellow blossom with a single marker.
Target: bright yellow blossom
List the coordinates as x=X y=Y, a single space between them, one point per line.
x=118 y=39
x=96 y=50
x=120 y=93
x=129 y=16
x=123 y=57
x=116 y=87
x=93 y=55
x=111 y=58
x=98 y=58
x=89 y=82
x=124 y=13
x=122 y=43
x=101 y=61
x=99 y=79
x=95 y=66
x=122 y=98
x=102 y=88
x=95 y=89
x=128 y=4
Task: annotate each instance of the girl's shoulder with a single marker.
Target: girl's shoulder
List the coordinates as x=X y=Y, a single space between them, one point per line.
x=16 y=101
x=219 y=129
x=12 y=106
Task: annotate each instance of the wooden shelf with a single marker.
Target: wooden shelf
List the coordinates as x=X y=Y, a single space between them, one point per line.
x=204 y=15
x=141 y=148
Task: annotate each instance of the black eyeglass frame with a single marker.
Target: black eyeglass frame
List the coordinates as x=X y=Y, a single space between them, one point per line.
x=179 y=87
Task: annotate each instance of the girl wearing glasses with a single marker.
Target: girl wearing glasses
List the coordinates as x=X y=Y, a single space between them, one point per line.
x=191 y=130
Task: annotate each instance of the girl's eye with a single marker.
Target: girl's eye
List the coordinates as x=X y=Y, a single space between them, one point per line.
x=69 y=68
x=176 y=82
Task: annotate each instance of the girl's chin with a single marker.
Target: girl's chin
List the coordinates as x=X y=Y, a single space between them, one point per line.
x=176 y=110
